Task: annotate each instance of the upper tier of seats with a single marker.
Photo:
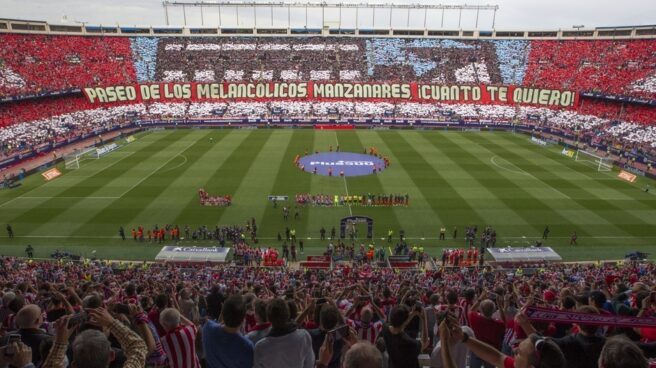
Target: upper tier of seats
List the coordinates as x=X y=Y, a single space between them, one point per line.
x=42 y=63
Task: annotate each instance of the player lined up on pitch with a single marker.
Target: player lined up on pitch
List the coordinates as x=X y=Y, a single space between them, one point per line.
x=366 y=200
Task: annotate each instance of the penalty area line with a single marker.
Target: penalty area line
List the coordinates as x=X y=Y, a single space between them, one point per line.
x=520 y=171
x=65 y=177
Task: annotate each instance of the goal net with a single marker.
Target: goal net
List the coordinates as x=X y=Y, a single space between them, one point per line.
x=73 y=160
x=596 y=161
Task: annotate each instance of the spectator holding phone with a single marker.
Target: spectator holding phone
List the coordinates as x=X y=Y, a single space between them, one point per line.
x=330 y=323
x=29 y=320
x=134 y=315
x=457 y=350
x=359 y=354
x=17 y=355
x=403 y=350
x=91 y=348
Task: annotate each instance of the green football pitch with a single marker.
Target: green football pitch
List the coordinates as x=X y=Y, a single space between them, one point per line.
x=453 y=179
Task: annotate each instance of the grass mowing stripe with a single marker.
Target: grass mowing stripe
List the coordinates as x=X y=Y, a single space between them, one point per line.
x=517 y=191
x=344 y=178
x=289 y=181
x=489 y=202
x=99 y=219
x=185 y=180
x=36 y=183
x=601 y=185
x=328 y=217
x=434 y=184
x=611 y=211
x=583 y=213
x=218 y=156
x=180 y=181
x=47 y=210
x=608 y=179
x=250 y=199
x=606 y=208
x=160 y=196
x=225 y=180
x=64 y=182
x=419 y=219
x=34 y=186
x=384 y=218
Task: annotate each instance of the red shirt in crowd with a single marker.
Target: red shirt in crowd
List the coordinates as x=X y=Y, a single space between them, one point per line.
x=509 y=362
x=180 y=347
x=488 y=330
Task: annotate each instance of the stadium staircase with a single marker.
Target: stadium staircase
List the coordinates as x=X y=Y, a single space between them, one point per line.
x=402 y=263
x=317 y=262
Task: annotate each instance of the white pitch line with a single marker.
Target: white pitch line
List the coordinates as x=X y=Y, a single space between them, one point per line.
x=317 y=238
x=177 y=166
x=56 y=197
x=54 y=181
x=63 y=236
x=104 y=167
x=345 y=185
x=611 y=174
x=521 y=171
x=156 y=170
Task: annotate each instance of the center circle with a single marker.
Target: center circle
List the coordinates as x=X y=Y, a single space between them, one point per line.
x=341 y=163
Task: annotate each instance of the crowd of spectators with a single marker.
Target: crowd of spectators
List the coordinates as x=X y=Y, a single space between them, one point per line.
x=31 y=64
x=42 y=63
x=108 y=314
x=606 y=66
x=58 y=127
x=39 y=63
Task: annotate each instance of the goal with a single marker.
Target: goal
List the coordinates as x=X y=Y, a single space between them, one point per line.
x=596 y=161
x=73 y=160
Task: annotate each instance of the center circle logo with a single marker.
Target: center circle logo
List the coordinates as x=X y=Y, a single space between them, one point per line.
x=341 y=164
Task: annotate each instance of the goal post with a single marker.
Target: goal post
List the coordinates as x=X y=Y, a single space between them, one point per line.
x=72 y=161
x=594 y=160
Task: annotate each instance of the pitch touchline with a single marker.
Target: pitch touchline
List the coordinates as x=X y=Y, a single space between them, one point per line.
x=313 y=238
x=56 y=197
x=345 y=185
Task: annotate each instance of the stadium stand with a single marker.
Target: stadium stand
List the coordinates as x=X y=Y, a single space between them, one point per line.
x=249 y=308
x=614 y=78
x=618 y=67
x=605 y=66
x=182 y=316
x=42 y=63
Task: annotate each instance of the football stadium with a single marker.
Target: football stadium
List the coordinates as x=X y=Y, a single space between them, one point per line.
x=361 y=184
